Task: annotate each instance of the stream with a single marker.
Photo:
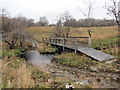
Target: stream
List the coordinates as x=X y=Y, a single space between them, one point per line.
x=37 y=59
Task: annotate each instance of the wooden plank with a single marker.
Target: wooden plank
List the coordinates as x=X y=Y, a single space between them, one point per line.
x=98 y=55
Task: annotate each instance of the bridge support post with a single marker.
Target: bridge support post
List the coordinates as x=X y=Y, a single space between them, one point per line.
x=55 y=42
x=63 y=45
x=52 y=40
x=42 y=39
x=75 y=45
x=49 y=40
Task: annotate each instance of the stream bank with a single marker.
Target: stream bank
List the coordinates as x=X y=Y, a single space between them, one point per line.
x=79 y=77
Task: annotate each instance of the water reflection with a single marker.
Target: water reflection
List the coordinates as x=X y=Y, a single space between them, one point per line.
x=38 y=59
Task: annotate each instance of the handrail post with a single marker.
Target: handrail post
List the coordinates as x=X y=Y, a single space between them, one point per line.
x=49 y=40
x=63 y=45
x=89 y=42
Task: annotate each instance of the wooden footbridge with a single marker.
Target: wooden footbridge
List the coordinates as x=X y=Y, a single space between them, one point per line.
x=79 y=44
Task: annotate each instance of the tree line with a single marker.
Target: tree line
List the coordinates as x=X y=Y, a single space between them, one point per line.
x=72 y=22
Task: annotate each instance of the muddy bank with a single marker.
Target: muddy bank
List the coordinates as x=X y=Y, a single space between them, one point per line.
x=82 y=77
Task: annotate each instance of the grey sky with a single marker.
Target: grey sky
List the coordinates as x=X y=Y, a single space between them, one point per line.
x=51 y=8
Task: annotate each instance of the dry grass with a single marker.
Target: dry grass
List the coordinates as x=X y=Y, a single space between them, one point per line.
x=39 y=32
x=23 y=77
x=44 y=48
x=16 y=77
x=97 y=33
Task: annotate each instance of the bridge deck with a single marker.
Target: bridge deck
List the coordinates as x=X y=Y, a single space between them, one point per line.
x=98 y=55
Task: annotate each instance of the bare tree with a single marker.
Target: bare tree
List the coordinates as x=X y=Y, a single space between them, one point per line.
x=18 y=35
x=63 y=26
x=30 y=22
x=13 y=30
x=58 y=28
x=113 y=10
x=88 y=13
x=43 y=21
x=6 y=24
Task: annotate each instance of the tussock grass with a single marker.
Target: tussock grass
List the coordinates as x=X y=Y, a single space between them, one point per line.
x=75 y=60
x=16 y=77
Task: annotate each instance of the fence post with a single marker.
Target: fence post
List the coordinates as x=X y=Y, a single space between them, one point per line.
x=89 y=42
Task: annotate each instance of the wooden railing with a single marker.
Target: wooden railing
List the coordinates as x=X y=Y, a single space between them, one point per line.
x=75 y=41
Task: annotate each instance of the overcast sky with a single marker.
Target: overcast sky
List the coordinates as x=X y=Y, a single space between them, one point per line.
x=51 y=8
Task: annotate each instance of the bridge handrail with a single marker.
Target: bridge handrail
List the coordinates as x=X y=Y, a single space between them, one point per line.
x=54 y=39
x=68 y=37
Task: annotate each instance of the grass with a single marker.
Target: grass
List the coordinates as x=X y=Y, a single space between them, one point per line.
x=84 y=62
x=44 y=48
x=75 y=60
x=17 y=73
x=101 y=33
x=111 y=42
x=39 y=32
